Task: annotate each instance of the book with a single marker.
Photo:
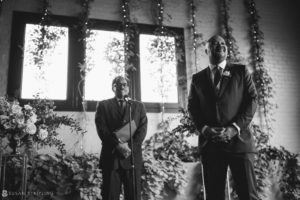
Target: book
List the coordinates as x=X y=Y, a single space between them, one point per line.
x=123 y=133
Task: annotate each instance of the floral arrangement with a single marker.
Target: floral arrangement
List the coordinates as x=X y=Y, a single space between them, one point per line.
x=33 y=123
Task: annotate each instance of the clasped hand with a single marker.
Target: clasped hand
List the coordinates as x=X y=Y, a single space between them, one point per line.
x=220 y=134
x=123 y=149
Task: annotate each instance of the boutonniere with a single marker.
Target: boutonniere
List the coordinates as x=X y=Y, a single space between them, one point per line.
x=227 y=74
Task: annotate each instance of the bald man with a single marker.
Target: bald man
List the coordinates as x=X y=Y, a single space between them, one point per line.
x=222 y=102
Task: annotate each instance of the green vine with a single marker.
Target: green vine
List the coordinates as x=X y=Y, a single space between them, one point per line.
x=114 y=53
x=262 y=79
x=195 y=36
x=83 y=26
x=46 y=39
x=83 y=19
x=226 y=32
x=164 y=51
x=129 y=33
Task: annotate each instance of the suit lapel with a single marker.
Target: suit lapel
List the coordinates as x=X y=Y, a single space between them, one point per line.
x=224 y=81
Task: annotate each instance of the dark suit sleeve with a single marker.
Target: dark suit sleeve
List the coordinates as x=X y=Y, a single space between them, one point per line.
x=103 y=132
x=249 y=104
x=141 y=131
x=194 y=106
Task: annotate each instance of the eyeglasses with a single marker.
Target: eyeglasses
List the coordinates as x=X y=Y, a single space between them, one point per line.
x=121 y=85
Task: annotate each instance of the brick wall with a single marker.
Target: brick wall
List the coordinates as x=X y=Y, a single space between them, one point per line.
x=278 y=22
x=282 y=46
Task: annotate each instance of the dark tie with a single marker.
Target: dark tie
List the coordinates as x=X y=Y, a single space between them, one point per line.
x=121 y=104
x=217 y=76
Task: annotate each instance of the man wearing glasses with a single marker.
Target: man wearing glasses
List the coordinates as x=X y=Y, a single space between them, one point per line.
x=112 y=115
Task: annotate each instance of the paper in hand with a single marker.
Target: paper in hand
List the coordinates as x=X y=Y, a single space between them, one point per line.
x=123 y=133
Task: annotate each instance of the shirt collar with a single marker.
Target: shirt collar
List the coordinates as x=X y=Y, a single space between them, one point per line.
x=221 y=64
x=118 y=99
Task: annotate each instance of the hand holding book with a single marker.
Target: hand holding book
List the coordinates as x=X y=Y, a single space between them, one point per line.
x=124 y=150
x=123 y=134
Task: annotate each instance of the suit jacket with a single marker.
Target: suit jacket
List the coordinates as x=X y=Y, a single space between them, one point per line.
x=110 y=118
x=234 y=102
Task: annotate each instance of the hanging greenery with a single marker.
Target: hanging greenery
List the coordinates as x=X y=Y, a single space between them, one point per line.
x=84 y=22
x=262 y=79
x=165 y=51
x=195 y=36
x=46 y=38
x=41 y=43
x=158 y=15
x=83 y=25
x=226 y=32
x=271 y=163
x=86 y=33
x=129 y=33
x=114 y=53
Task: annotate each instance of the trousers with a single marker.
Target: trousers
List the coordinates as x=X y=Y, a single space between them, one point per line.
x=215 y=165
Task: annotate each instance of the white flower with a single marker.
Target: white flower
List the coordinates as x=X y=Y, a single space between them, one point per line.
x=32 y=118
x=20 y=119
x=226 y=73
x=16 y=109
x=27 y=107
x=43 y=133
x=30 y=128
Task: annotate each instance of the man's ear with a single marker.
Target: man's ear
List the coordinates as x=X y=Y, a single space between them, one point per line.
x=114 y=88
x=206 y=51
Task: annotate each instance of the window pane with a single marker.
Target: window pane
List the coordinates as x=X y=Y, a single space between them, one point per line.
x=46 y=76
x=158 y=69
x=105 y=60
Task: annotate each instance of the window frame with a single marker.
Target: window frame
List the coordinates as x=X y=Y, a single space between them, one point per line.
x=76 y=55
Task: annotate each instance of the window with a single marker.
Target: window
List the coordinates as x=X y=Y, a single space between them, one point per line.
x=158 y=69
x=58 y=74
x=42 y=77
x=105 y=60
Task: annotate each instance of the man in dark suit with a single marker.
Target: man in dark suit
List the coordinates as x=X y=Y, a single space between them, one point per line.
x=222 y=102
x=115 y=160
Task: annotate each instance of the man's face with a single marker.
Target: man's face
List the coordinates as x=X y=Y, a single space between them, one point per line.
x=121 y=88
x=216 y=50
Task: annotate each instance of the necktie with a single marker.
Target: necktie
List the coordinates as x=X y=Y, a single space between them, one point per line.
x=121 y=104
x=217 y=76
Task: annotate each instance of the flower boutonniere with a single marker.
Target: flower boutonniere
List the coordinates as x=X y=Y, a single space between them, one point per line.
x=227 y=74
